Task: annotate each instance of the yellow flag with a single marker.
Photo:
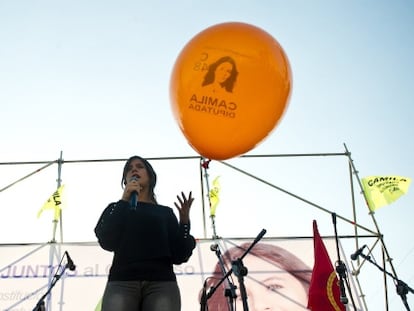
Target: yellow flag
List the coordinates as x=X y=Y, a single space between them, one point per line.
x=99 y=305
x=214 y=196
x=383 y=190
x=55 y=202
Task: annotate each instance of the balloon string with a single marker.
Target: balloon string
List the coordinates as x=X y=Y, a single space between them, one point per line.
x=205 y=164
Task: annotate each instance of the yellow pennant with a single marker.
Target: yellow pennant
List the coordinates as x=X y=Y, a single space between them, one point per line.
x=214 y=196
x=99 y=305
x=383 y=190
x=55 y=202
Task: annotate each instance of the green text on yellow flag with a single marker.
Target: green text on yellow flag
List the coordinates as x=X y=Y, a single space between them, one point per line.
x=214 y=196
x=383 y=190
x=55 y=202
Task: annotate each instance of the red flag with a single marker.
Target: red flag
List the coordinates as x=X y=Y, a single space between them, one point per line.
x=324 y=290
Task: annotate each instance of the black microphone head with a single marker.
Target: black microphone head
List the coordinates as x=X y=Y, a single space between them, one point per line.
x=213 y=247
x=354 y=256
x=70 y=265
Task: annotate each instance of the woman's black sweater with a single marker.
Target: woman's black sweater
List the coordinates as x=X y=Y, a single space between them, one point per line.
x=146 y=241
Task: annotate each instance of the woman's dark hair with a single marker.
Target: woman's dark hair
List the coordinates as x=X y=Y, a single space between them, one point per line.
x=151 y=174
x=231 y=80
x=270 y=253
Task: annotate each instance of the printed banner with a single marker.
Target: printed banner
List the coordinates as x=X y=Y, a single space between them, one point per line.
x=272 y=278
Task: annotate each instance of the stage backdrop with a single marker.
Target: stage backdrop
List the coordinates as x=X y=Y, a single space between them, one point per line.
x=26 y=272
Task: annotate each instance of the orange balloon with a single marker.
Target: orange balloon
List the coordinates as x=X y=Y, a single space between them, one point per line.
x=229 y=87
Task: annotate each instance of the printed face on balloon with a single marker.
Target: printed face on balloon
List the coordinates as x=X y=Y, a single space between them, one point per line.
x=221 y=75
x=215 y=93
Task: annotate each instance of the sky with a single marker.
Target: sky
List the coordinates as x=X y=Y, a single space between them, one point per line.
x=91 y=81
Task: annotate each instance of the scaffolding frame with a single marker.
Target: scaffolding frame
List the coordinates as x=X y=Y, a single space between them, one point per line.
x=55 y=252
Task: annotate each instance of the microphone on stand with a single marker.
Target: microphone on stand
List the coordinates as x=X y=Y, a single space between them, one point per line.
x=260 y=236
x=70 y=263
x=214 y=247
x=341 y=270
x=134 y=196
x=342 y=296
x=355 y=255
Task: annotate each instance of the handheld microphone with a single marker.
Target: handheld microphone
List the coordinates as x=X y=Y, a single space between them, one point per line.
x=70 y=263
x=355 y=255
x=134 y=196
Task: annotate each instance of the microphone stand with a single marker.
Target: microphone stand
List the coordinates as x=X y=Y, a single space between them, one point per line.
x=341 y=270
x=239 y=270
x=40 y=306
x=401 y=287
x=229 y=292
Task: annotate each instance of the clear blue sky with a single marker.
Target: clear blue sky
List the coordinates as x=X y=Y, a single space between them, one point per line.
x=91 y=79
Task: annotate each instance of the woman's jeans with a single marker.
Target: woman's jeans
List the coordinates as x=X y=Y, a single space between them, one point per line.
x=141 y=296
